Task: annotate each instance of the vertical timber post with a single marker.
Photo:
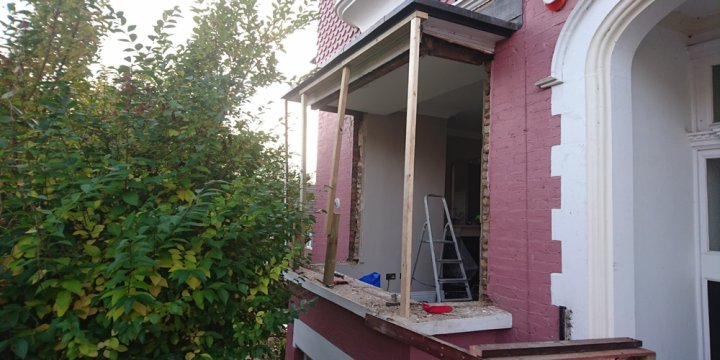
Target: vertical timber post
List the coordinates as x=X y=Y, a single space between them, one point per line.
x=300 y=235
x=331 y=249
x=409 y=176
x=303 y=150
x=287 y=159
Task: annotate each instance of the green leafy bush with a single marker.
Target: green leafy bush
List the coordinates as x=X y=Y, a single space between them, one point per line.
x=140 y=216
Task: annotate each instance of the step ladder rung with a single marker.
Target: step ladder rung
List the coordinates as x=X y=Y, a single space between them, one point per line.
x=449 y=261
x=451 y=280
x=448 y=237
x=438 y=241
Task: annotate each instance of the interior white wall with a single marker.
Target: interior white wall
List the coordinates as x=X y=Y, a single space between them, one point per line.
x=382 y=194
x=662 y=197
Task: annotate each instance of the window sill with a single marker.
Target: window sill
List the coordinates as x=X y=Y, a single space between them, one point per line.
x=363 y=299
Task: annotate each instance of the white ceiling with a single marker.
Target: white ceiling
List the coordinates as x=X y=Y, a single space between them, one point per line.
x=445 y=88
x=699 y=8
x=698 y=19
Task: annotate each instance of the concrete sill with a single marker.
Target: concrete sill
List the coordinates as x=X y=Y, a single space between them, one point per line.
x=362 y=299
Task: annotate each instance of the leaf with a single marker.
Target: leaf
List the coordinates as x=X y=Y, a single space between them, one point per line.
x=131 y=198
x=173 y=132
x=140 y=308
x=62 y=303
x=199 y=299
x=21 y=348
x=133 y=37
x=73 y=286
x=138 y=46
x=92 y=250
x=131 y=28
x=186 y=195
x=193 y=282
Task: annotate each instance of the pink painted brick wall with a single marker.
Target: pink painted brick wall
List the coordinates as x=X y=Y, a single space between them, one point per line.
x=333 y=33
x=326 y=132
x=522 y=254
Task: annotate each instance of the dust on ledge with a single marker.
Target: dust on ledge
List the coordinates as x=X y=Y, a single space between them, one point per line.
x=374 y=299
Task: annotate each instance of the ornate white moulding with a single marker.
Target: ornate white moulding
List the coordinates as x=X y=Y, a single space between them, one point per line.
x=705 y=138
x=364 y=13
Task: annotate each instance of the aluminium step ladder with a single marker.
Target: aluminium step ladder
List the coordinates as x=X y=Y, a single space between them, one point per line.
x=441 y=264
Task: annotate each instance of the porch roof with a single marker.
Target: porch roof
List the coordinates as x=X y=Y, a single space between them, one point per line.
x=383 y=48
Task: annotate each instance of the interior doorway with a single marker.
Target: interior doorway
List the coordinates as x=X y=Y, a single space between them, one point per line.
x=463 y=186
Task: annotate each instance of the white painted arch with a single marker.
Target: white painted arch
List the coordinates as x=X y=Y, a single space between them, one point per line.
x=592 y=67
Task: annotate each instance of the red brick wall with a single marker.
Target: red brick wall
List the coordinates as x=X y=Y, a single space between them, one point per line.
x=522 y=253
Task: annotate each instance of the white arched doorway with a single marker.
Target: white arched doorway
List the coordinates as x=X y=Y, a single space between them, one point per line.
x=629 y=215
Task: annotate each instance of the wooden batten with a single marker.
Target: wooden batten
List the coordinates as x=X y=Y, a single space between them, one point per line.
x=287 y=155
x=331 y=249
x=303 y=149
x=409 y=173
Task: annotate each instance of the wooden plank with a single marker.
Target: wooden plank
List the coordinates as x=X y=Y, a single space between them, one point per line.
x=331 y=249
x=443 y=49
x=409 y=173
x=429 y=344
x=303 y=150
x=330 y=262
x=553 y=347
x=287 y=155
x=628 y=354
x=300 y=234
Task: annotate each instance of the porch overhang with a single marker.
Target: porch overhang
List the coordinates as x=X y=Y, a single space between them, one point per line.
x=447 y=32
x=440 y=37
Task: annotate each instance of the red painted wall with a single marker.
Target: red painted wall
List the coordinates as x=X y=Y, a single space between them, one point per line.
x=522 y=253
x=348 y=332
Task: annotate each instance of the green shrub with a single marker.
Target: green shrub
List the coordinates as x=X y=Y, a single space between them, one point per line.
x=140 y=216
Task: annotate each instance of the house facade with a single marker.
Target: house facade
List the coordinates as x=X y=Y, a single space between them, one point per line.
x=577 y=144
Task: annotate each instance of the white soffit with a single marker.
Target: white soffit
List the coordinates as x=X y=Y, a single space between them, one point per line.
x=388 y=94
x=379 y=51
x=392 y=44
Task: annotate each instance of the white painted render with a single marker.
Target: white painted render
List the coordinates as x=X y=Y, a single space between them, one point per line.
x=593 y=66
x=662 y=198
x=382 y=193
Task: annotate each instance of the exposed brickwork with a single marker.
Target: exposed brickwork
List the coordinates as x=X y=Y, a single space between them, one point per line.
x=521 y=252
x=358 y=165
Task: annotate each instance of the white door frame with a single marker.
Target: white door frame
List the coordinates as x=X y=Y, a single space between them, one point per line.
x=709 y=260
x=705 y=139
